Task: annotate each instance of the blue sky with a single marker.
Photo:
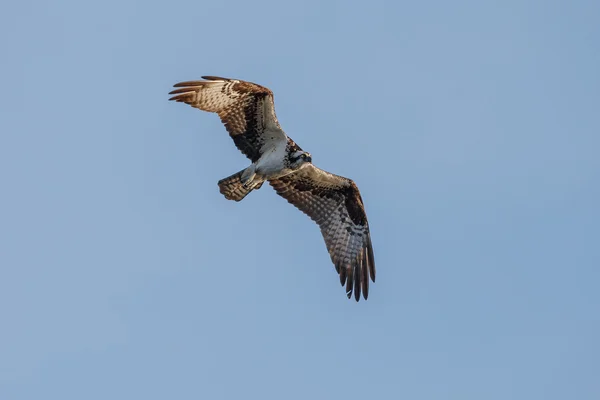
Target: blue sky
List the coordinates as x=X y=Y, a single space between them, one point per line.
x=471 y=128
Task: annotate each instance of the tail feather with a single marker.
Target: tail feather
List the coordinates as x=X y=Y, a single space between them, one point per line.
x=233 y=189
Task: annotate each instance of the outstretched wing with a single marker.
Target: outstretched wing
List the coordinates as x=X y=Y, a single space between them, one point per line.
x=246 y=109
x=334 y=203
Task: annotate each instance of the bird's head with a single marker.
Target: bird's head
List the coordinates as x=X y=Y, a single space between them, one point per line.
x=300 y=158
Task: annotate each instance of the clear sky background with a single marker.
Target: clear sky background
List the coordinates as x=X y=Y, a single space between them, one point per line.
x=471 y=127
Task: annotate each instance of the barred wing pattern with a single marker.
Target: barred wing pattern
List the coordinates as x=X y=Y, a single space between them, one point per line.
x=246 y=109
x=334 y=203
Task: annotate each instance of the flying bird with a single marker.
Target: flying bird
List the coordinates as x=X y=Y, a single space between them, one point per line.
x=248 y=112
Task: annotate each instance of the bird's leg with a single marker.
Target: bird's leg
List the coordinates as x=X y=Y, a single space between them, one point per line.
x=248 y=176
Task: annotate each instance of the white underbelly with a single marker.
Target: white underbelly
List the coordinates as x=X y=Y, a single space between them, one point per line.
x=271 y=164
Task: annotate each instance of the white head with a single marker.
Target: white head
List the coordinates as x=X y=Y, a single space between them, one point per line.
x=300 y=158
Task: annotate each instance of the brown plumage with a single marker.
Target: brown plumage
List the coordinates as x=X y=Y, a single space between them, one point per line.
x=247 y=110
x=232 y=187
x=244 y=108
x=335 y=204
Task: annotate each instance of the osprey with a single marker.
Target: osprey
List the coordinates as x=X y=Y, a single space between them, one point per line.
x=248 y=112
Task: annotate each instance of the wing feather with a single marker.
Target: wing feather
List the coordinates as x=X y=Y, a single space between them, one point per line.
x=246 y=109
x=335 y=204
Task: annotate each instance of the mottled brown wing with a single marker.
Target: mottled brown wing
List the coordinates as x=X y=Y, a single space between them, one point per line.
x=334 y=203
x=246 y=109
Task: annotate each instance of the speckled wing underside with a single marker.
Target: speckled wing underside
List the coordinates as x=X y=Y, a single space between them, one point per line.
x=334 y=203
x=246 y=109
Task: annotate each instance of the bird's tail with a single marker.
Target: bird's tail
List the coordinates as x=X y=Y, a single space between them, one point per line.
x=233 y=188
